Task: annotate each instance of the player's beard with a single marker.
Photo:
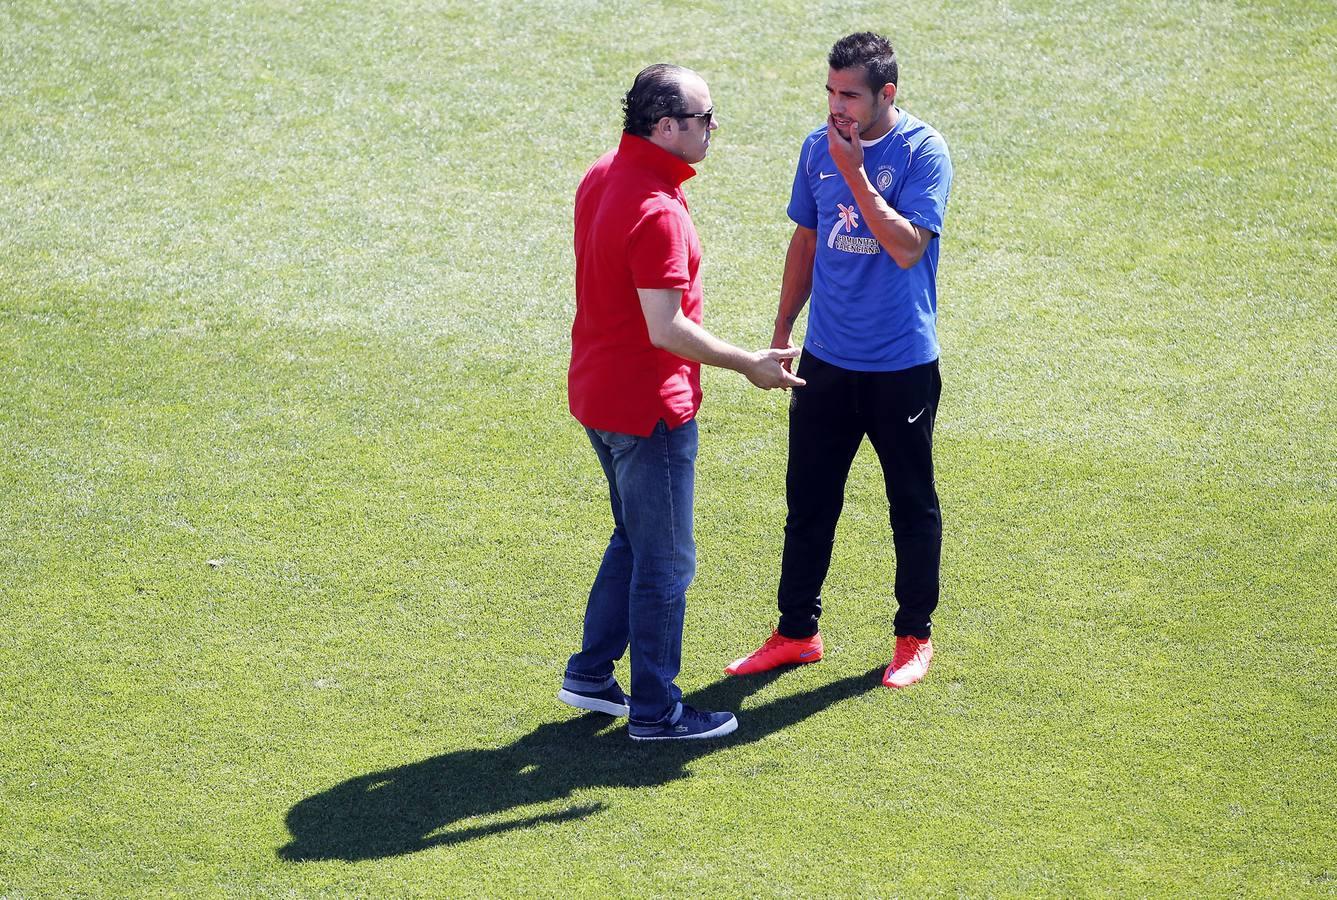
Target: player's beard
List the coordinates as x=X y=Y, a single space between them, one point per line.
x=878 y=113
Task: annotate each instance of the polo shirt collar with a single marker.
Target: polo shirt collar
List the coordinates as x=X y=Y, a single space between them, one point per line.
x=655 y=158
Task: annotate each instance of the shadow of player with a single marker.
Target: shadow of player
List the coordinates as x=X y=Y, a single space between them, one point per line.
x=429 y=803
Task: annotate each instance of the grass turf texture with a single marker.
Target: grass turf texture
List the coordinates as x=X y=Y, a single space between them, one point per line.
x=288 y=288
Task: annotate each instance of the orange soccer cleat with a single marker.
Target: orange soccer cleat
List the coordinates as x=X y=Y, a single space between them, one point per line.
x=777 y=651
x=909 y=663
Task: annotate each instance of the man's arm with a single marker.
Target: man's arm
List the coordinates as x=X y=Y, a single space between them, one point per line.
x=903 y=240
x=672 y=331
x=795 y=285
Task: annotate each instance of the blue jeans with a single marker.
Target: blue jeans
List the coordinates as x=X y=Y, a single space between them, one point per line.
x=640 y=593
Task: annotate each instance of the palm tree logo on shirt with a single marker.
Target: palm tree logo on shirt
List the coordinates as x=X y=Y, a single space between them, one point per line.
x=848 y=217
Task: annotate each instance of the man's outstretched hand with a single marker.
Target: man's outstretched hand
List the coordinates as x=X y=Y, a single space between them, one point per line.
x=768 y=368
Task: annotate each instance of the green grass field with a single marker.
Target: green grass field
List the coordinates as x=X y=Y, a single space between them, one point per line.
x=295 y=530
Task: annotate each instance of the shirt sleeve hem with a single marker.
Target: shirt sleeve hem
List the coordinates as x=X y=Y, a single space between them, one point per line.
x=924 y=222
x=665 y=285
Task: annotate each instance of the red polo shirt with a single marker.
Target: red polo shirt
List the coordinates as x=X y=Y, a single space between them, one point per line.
x=633 y=231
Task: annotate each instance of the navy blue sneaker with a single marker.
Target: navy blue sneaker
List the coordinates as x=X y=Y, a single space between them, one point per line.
x=691 y=723
x=609 y=700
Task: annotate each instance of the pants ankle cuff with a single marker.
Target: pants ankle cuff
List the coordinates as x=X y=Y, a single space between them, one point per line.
x=574 y=681
x=671 y=719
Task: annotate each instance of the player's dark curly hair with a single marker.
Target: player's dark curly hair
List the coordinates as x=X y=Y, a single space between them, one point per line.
x=656 y=93
x=872 y=51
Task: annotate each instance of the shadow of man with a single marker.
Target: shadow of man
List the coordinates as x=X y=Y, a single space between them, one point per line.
x=412 y=807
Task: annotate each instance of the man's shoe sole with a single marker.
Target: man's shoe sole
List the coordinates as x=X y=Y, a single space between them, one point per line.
x=887 y=682
x=898 y=687
x=727 y=728
x=593 y=704
x=793 y=662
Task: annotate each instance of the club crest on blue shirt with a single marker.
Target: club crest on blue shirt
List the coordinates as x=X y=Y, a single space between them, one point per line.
x=884 y=176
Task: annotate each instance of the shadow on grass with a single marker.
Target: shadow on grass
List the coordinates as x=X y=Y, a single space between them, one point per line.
x=413 y=807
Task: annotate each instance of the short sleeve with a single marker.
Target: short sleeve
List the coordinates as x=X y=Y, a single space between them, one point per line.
x=802 y=203
x=659 y=250
x=923 y=200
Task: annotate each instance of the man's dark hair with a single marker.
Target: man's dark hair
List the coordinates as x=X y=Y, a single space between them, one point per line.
x=656 y=93
x=872 y=51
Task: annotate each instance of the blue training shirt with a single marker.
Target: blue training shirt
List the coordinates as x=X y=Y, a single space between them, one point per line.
x=867 y=313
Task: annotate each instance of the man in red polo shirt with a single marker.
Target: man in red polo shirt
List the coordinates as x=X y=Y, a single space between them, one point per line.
x=637 y=346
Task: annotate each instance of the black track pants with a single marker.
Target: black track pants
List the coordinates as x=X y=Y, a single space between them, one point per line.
x=828 y=419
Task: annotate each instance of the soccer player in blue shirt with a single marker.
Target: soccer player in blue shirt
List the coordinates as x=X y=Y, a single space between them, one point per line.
x=868 y=200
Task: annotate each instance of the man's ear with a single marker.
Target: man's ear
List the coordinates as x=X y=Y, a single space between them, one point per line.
x=888 y=93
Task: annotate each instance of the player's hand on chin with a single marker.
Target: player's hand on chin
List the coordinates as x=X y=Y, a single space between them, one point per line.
x=846 y=152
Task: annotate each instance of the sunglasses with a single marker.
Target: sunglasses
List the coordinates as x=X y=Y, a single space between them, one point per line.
x=708 y=115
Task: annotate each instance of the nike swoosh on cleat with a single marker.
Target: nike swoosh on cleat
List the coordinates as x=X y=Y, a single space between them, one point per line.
x=916 y=415
x=806 y=653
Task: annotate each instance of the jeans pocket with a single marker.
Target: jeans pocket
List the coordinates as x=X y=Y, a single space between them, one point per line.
x=616 y=440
